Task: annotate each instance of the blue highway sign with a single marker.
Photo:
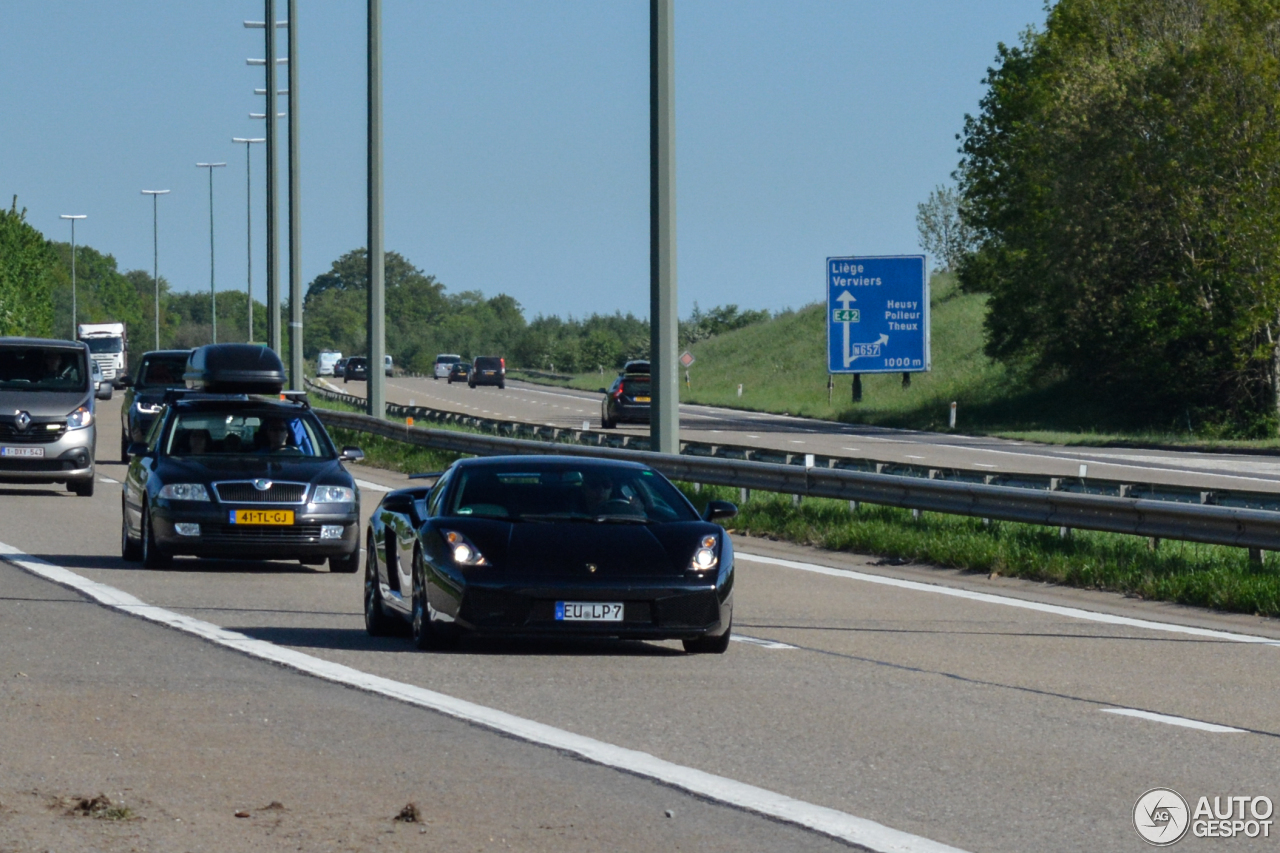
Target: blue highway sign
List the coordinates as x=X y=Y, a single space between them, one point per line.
x=877 y=314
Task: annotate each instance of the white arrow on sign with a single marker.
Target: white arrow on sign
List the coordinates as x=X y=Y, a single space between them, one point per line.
x=844 y=299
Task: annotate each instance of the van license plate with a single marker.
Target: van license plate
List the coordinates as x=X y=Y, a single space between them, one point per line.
x=588 y=611
x=28 y=452
x=262 y=516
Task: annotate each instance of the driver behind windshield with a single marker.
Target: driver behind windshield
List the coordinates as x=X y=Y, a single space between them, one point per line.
x=273 y=436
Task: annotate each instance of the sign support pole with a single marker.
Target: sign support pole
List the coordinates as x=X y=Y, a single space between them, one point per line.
x=295 y=221
x=664 y=427
x=376 y=271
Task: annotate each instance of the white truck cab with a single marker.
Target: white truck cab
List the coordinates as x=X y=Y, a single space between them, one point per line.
x=108 y=346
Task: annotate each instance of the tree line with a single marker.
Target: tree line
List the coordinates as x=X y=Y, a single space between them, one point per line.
x=1119 y=197
x=423 y=319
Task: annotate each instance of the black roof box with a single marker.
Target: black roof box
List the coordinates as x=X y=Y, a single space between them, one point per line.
x=234 y=369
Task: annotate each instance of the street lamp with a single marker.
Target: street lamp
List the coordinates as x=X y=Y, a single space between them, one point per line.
x=155 y=253
x=213 y=294
x=248 y=218
x=73 y=217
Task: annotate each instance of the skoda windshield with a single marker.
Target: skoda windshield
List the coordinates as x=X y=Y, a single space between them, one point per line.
x=35 y=368
x=248 y=432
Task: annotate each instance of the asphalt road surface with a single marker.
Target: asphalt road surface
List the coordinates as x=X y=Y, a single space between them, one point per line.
x=985 y=714
x=565 y=407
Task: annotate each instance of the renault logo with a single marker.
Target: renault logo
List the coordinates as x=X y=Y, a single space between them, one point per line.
x=262 y=485
x=23 y=421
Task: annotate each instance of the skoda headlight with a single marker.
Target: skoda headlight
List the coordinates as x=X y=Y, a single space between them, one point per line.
x=149 y=408
x=463 y=552
x=333 y=495
x=185 y=492
x=80 y=418
x=705 y=559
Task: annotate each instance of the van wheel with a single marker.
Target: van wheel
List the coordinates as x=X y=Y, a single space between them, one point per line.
x=81 y=488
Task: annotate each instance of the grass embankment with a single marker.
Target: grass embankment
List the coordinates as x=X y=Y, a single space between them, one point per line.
x=1209 y=576
x=380 y=452
x=781 y=365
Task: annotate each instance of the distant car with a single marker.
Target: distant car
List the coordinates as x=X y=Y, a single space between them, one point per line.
x=158 y=371
x=626 y=401
x=549 y=546
x=459 y=372
x=388 y=365
x=340 y=367
x=102 y=387
x=227 y=474
x=326 y=361
x=357 y=368
x=488 y=370
x=444 y=363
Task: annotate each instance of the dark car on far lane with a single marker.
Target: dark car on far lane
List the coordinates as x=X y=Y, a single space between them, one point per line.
x=626 y=401
x=550 y=546
x=357 y=367
x=234 y=475
x=459 y=372
x=156 y=373
x=488 y=370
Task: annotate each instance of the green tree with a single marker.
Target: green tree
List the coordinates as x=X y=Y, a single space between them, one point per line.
x=1123 y=177
x=943 y=232
x=27 y=275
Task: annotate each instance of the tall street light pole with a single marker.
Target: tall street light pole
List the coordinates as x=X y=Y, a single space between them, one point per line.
x=248 y=218
x=295 y=221
x=376 y=313
x=664 y=429
x=213 y=293
x=269 y=26
x=73 y=217
x=155 y=252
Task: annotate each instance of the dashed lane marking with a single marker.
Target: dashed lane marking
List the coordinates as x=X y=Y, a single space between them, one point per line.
x=1173 y=721
x=764 y=644
x=837 y=824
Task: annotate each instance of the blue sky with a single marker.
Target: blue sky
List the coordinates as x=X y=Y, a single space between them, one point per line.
x=516 y=155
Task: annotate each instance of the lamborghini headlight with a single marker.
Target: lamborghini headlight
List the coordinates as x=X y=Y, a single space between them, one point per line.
x=705 y=559
x=464 y=553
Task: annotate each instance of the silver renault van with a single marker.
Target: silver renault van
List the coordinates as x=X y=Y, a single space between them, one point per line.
x=47 y=424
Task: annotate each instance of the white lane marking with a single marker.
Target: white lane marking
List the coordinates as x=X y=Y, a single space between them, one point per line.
x=1173 y=721
x=988 y=598
x=836 y=824
x=985 y=465
x=373 y=487
x=102 y=479
x=909 y=456
x=764 y=644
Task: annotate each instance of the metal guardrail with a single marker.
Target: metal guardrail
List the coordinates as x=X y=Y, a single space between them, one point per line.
x=1125 y=512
